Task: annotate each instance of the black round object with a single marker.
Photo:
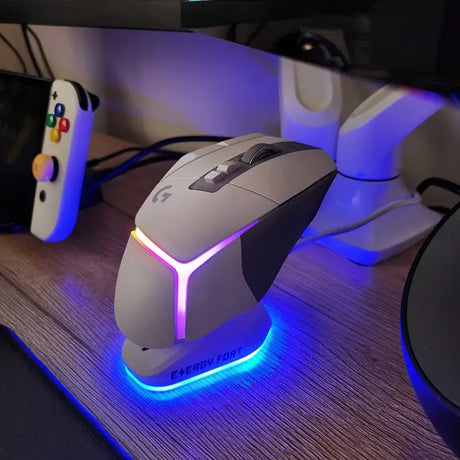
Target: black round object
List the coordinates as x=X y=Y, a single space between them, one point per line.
x=430 y=327
x=306 y=46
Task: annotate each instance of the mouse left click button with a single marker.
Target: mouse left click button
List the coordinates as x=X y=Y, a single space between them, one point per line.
x=45 y=168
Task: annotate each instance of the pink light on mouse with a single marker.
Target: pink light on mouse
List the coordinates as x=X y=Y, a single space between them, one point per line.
x=183 y=271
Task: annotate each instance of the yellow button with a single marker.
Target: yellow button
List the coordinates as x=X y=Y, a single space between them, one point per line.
x=43 y=167
x=55 y=135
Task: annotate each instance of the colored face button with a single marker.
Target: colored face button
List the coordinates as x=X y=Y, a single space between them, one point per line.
x=51 y=120
x=55 y=135
x=64 y=125
x=59 y=110
x=44 y=167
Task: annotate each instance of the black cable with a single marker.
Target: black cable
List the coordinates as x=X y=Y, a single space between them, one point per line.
x=30 y=51
x=96 y=161
x=151 y=149
x=15 y=51
x=42 y=51
x=438 y=182
x=254 y=33
x=163 y=155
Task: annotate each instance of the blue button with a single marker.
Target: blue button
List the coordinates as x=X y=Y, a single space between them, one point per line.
x=59 y=110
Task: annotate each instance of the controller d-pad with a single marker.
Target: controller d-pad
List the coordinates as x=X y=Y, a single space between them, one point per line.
x=59 y=110
x=55 y=95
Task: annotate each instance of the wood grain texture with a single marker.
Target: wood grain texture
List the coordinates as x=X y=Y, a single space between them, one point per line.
x=331 y=383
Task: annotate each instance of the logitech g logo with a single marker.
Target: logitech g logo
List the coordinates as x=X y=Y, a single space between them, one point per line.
x=162 y=195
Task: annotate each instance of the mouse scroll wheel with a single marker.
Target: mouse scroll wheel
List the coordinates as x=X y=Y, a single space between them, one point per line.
x=258 y=152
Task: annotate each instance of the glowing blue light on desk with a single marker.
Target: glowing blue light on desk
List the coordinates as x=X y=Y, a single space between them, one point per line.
x=245 y=363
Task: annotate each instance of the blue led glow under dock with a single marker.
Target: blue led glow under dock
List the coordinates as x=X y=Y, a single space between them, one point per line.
x=245 y=359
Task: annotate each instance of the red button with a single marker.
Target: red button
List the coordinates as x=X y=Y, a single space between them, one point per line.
x=64 y=125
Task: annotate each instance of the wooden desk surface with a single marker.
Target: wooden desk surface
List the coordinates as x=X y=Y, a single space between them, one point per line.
x=331 y=383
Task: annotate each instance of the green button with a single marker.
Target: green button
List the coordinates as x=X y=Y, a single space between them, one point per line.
x=51 y=120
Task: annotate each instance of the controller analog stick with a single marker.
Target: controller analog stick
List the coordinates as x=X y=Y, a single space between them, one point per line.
x=45 y=168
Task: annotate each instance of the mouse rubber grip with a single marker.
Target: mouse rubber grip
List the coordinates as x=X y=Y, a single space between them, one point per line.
x=265 y=247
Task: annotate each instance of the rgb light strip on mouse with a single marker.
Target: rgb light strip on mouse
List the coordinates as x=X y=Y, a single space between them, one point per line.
x=183 y=271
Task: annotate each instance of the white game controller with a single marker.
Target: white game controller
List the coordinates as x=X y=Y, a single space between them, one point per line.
x=60 y=167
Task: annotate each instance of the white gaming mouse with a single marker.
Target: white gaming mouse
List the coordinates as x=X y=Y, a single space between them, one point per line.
x=209 y=241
